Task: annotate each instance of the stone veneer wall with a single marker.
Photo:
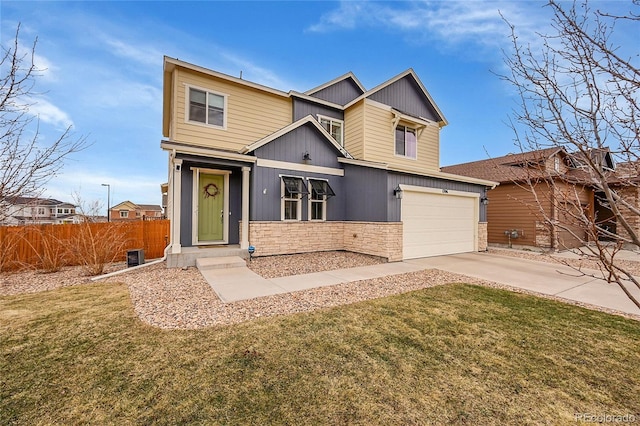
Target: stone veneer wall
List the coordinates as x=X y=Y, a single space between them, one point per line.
x=382 y=239
x=543 y=235
x=482 y=236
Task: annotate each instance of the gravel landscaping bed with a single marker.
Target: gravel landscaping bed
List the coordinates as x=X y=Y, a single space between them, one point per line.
x=632 y=266
x=306 y=263
x=181 y=298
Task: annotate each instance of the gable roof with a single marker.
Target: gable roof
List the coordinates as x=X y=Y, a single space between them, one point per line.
x=408 y=73
x=346 y=76
x=506 y=168
x=296 y=124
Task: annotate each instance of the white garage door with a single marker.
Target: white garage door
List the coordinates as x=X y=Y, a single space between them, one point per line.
x=436 y=224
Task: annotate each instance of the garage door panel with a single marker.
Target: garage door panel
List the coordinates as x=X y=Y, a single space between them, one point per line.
x=437 y=224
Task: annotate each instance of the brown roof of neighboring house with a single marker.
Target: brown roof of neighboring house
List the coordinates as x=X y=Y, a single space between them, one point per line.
x=511 y=167
x=522 y=166
x=150 y=207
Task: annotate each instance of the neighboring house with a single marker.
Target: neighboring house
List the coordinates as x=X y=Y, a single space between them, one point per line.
x=127 y=211
x=513 y=212
x=33 y=210
x=337 y=167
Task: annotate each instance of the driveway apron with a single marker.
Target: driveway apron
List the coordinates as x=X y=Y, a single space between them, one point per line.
x=541 y=277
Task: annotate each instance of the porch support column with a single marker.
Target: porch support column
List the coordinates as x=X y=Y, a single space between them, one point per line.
x=176 y=189
x=244 y=244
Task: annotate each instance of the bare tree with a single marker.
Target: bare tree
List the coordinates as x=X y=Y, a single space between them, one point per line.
x=578 y=91
x=26 y=164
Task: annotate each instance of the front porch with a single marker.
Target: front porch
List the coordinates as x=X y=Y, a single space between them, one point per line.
x=208 y=203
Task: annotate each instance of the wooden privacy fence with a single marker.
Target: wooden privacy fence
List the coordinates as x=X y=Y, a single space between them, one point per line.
x=22 y=246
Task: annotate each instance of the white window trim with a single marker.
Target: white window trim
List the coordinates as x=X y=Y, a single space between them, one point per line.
x=310 y=201
x=331 y=119
x=125 y=215
x=406 y=126
x=225 y=111
x=282 y=200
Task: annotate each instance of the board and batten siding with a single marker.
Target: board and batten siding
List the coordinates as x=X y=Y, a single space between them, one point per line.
x=302 y=108
x=251 y=114
x=266 y=197
x=340 y=93
x=395 y=179
x=405 y=95
x=367 y=196
x=379 y=142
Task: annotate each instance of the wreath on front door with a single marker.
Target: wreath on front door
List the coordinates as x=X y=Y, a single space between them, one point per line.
x=211 y=190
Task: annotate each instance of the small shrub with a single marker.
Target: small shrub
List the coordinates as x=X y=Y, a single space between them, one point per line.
x=96 y=246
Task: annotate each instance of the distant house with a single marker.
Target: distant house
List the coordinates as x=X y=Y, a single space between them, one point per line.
x=33 y=210
x=128 y=210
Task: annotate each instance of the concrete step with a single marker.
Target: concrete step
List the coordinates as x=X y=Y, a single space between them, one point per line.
x=208 y=263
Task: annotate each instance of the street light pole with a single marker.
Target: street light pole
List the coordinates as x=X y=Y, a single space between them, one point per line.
x=108 y=201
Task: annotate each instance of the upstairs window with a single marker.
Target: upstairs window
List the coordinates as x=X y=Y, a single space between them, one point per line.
x=320 y=192
x=333 y=127
x=406 y=142
x=293 y=189
x=207 y=107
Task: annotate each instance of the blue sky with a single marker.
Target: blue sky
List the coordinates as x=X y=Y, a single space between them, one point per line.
x=103 y=69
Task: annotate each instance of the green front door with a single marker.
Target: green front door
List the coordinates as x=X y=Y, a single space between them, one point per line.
x=211 y=207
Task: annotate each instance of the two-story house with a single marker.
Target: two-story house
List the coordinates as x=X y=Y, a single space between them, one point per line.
x=338 y=167
x=34 y=210
x=128 y=211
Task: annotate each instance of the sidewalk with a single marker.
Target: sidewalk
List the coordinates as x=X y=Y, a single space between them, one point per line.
x=234 y=284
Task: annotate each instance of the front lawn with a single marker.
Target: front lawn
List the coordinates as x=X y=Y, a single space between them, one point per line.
x=447 y=354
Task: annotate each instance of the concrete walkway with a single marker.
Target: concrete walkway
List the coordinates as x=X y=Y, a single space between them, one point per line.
x=240 y=283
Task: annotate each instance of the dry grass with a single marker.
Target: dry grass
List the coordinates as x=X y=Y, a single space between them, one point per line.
x=450 y=354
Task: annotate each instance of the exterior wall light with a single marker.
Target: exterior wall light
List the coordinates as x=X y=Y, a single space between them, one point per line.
x=484 y=200
x=306 y=157
x=398 y=192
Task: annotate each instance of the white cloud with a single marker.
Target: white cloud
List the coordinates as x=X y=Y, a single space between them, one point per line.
x=449 y=22
x=141 y=54
x=49 y=113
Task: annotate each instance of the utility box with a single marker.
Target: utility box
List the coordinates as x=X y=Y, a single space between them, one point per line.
x=135 y=257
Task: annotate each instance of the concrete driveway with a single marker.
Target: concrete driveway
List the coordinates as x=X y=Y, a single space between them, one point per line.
x=542 y=277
